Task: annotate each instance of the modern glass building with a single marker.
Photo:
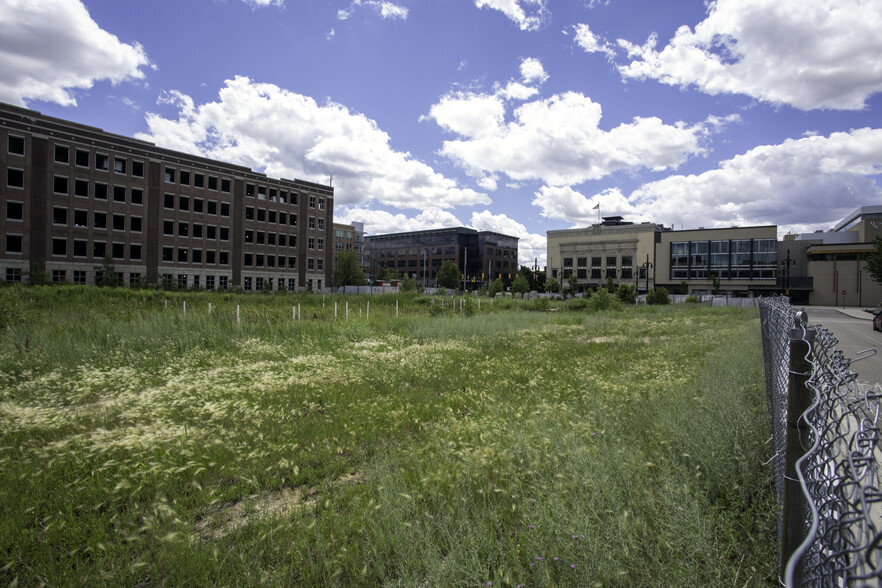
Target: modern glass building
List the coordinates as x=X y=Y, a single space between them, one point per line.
x=481 y=256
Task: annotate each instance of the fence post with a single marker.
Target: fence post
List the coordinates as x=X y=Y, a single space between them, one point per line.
x=796 y=440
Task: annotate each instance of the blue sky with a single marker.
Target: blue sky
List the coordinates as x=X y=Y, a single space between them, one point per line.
x=519 y=116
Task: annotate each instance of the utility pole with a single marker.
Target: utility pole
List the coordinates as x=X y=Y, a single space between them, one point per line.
x=787 y=263
x=465 y=265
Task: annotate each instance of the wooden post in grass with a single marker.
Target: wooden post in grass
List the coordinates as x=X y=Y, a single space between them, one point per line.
x=794 y=504
x=209 y=308
x=368 y=311
x=185 y=308
x=237 y=314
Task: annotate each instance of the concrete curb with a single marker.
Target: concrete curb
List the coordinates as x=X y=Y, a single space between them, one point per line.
x=853 y=312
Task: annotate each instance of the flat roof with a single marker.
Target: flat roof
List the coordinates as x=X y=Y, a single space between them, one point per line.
x=856 y=214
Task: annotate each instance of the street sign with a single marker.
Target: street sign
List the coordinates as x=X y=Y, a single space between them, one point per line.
x=844 y=292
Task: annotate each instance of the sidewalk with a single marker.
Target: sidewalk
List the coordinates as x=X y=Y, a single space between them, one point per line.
x=857 y=312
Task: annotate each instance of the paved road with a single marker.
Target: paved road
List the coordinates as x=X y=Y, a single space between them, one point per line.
x=855 y=334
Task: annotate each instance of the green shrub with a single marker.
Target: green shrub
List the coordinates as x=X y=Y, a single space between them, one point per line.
x=658 y=295
x=577 y=304
x=603 y=300
x=627 y=293
x=692 y=299
x=541 y=304
x=520 y=285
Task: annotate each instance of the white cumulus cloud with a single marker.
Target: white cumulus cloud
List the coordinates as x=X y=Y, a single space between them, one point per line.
x=263 y=3
x=810 y=54
x=529 y=15
x=530 y=245
x=286 y=134
x=558 y=140
x=384 y=8
x=532 y=71
x=591 y=43
x=796 y=185
x=52 y=48
x=381 y=222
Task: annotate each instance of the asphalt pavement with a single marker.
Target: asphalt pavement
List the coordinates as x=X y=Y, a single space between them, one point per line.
x=853 y=327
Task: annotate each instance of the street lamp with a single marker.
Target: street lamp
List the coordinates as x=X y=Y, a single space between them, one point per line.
x=646 y=267
x=785 y=266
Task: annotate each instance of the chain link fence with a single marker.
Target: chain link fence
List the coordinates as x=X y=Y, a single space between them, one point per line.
x=826 y=459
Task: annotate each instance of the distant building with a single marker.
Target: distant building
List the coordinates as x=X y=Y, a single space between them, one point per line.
x=482 y=256
x=743 y=259
x=349 y=237
x=646 y=255
x=834 y=260
x=821 y=268
x=73 y=195
x=613 y=249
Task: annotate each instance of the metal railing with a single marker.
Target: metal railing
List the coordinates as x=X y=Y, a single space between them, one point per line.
x=825 y=432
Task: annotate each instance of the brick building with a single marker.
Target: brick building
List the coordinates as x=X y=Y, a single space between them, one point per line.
x=72 y=195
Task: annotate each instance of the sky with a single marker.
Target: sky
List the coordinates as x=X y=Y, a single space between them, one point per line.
x=516 y=116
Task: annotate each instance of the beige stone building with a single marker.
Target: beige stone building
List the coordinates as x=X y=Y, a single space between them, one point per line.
x=743 y=259
x=613 y=249
x=835 y=261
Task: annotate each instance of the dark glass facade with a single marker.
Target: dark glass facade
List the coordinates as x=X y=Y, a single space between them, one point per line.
x=481 y=256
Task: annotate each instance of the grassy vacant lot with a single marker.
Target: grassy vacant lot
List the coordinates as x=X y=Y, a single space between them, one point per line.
x=143 y=446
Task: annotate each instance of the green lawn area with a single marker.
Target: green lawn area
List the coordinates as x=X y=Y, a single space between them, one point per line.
x=423 y=446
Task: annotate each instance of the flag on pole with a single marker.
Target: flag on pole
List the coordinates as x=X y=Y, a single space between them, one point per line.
x=596 y=206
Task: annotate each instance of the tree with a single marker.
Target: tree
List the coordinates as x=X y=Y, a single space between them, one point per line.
x=539 y=281
x=388 y=274
x=495 y=287
x=449 y=276
x=520 y=285
x=573 y=281
x=874 y=261
x=408 y=284
x=347 y=270
x=658 y=295
x=603 y=300
x=105 y=274
x=552 y=285
x=715 y=280
x=627 y=293
x=38 y=275
x=528 y=275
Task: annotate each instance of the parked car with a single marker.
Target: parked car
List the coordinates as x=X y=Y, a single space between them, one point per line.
x=877 y=321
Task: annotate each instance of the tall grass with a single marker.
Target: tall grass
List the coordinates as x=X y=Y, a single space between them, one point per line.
x=139 y=445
